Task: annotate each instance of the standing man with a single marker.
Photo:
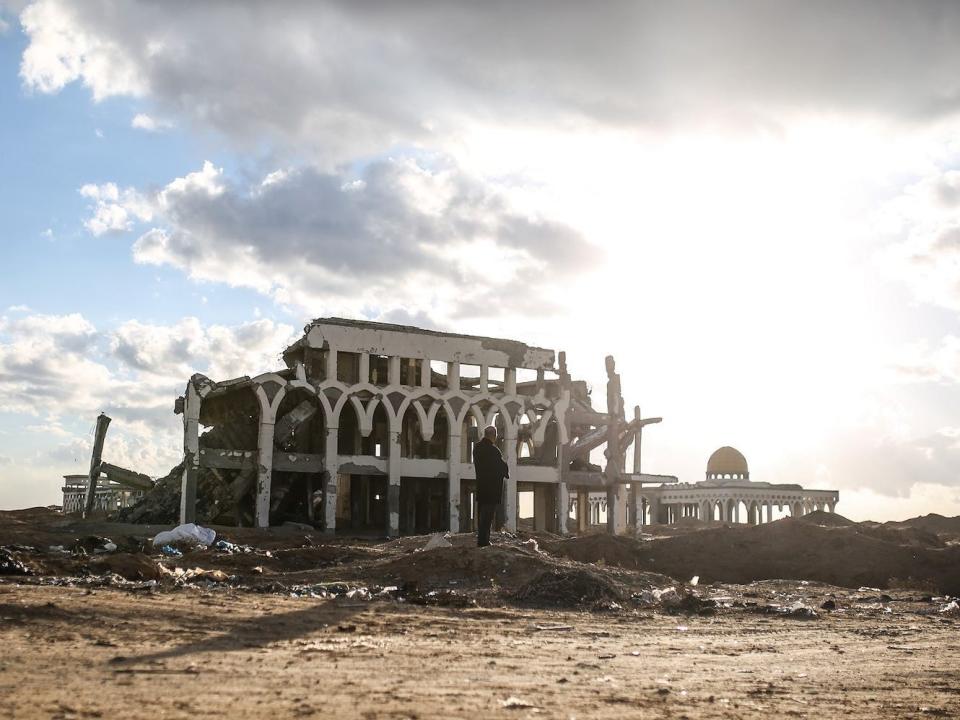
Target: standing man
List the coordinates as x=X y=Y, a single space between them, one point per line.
x=491 y=470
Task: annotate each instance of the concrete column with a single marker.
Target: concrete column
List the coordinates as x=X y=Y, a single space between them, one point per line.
x=453 y=377
x=563 y=507
x=393 y=484
x=363 y=374
x=331 y=462
x=583 y=509
x=613 y=507
x=623 y=497
x=191 y=454
x=394 y=370
x=510 y=483
x=264 y=472
x=425 y=373
x=510 y=381
x=453 y=482
x=484 y=377
x=331 y=364
x=541 y=507
x=654 y=507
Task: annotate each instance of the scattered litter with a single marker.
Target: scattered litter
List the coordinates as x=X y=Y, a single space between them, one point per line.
x=92 y=544
x=231 y=548
x=182 y=576
x=170 y=551
x=695 y=580
x=189 y=533
x=515 y=703
x=553 y=628
x=951 y=609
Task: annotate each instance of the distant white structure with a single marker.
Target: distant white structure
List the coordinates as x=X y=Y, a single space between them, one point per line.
x=110 y=496
x=729 y=495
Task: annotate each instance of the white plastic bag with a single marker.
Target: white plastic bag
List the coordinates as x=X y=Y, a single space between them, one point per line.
x=189 y=533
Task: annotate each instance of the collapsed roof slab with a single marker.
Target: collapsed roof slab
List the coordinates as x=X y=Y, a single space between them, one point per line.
x=412 y=342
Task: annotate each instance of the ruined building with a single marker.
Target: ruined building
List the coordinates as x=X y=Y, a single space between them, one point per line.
x=371 y=427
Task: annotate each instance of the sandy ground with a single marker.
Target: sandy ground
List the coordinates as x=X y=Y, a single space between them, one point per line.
x=70 y=652
x=287 y=622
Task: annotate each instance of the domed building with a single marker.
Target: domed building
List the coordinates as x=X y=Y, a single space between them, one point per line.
x=727 y=494
x=726 y=464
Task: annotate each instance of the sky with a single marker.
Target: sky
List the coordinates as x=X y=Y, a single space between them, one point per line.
x=754 y=206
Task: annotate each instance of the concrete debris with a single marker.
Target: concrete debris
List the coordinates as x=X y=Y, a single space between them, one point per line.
x=11 y=564
x=437 y=540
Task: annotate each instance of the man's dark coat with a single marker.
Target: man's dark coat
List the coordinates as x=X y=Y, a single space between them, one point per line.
x=491 y=470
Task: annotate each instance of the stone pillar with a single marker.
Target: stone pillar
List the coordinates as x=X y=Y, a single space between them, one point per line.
x=393 y=370
x=264 y=472
x=331 y=461
x=510 y=483
x=425 y=372
x=363 y=373
x=191 y=455
x=393 y=483
x=541 y=507
x=510 y=382
x=613 y=507
x=653 y=505
x=484 y=377
x=563 y=506
x=331 y=364
x=453 y=379
x=453 y=482
x=583 y=509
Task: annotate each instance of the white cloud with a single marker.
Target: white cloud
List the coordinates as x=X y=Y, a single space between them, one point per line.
x=317 y=240
x=4 y=26
x=338 y=80
x=141 y=121
x=65 y=51
x=114 y=210
x=58 y=372
x=922 y=363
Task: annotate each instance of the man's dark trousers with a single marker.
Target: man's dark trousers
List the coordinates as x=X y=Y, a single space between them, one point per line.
x=485 y=514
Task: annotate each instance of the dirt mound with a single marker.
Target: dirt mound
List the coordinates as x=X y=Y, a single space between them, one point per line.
x=605 y=549
x=465 y=567
x=903 y=535
x=795 y=549
x=570 y=587
x=826 y=519
x=931 y=523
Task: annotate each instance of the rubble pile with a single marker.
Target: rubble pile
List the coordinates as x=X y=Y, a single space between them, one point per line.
x=720 y=569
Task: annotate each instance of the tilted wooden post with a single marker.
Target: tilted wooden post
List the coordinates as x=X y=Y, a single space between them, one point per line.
x=99 y=435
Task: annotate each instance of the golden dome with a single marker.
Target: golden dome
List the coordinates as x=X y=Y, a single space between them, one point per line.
x=727 y=461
